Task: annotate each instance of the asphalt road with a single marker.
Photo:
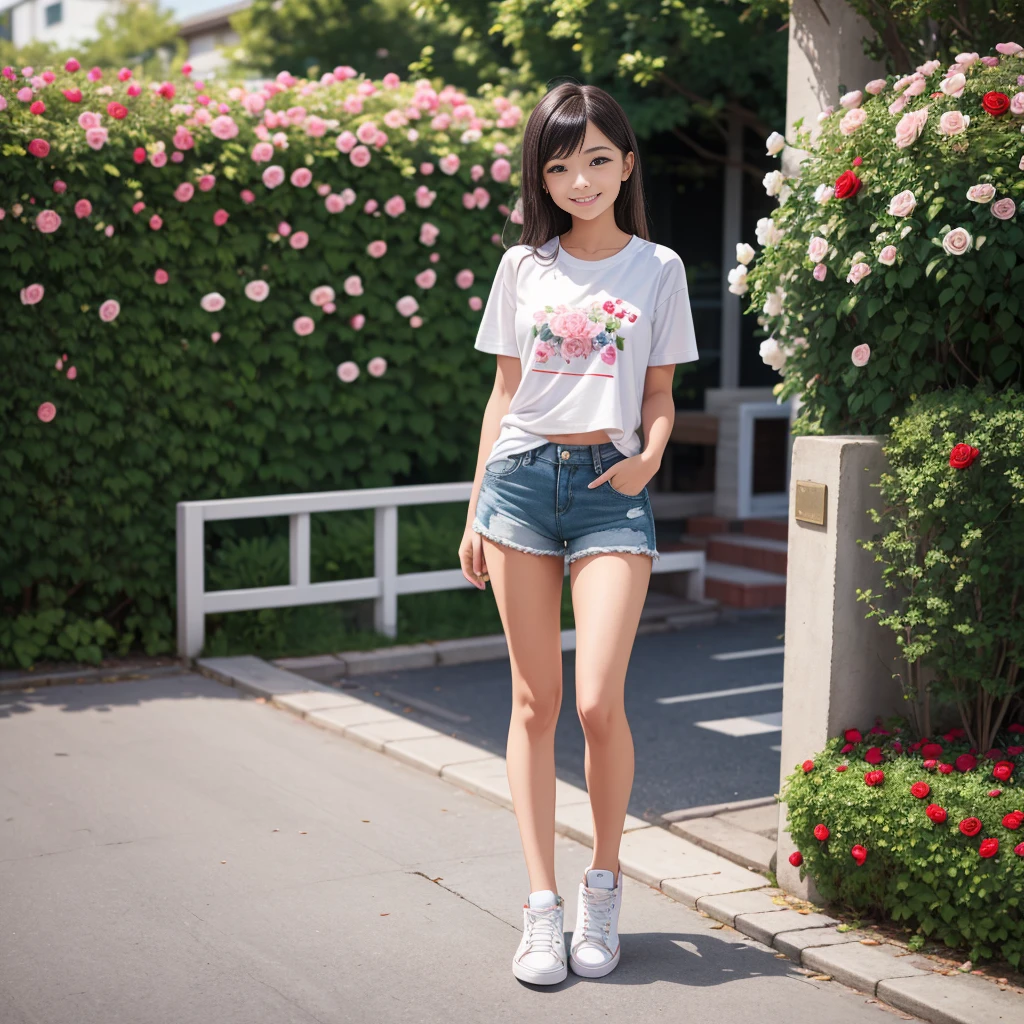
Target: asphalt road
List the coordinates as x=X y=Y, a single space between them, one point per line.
x=679 y=763
x=173 y=852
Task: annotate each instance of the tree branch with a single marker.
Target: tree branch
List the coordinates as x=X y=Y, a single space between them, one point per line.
x=719 y=158
x=748 y=117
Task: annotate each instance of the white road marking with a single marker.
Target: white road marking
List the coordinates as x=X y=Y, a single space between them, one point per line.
x=756 y=653
x=778 y=748
x=760 y=688
x=745 y=725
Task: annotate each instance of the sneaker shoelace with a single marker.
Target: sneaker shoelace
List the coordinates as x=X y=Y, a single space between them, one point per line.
x=542 y=930
x=597 y=916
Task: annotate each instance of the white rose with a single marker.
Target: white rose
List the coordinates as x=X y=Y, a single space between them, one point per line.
x=823 y=193
x=773 y=182
x=767 y=233
x=744 y=253
x=738 y=280
x=775 y=143
x=772 y=354
x=957 y=241
x=773 y=302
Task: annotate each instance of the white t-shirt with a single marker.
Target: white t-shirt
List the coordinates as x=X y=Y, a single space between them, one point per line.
x=585 y=332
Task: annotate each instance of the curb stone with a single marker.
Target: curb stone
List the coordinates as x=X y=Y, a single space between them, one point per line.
x=691 y=875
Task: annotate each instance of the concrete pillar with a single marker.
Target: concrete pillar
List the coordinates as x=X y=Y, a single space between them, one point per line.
x=732 y=214
x=826 y=59
x=838 y=664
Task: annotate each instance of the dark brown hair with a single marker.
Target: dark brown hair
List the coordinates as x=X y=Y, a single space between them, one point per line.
x=556 y=128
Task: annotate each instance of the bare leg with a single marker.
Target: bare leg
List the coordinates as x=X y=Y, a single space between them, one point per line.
x=608 y=592
x=528 y=592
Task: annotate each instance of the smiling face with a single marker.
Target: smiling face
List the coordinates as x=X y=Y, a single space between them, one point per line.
x=593 y=173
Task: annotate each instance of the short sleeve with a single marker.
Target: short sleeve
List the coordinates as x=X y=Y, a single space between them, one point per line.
x=672 y=335
x=497 y=331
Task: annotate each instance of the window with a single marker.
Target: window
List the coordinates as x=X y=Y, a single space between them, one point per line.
x=5 y=26
x=54 y=14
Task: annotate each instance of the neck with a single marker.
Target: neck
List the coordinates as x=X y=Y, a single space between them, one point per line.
x=601 y=233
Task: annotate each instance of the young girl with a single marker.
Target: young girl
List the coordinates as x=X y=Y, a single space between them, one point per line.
x=587 y=318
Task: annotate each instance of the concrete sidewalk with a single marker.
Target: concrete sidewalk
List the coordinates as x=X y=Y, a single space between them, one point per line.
x=175 y=851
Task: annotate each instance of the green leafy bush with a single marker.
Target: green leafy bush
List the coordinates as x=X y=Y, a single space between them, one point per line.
x=895 y=261
x=138 y=369
x=890 y=851
x=952 y=547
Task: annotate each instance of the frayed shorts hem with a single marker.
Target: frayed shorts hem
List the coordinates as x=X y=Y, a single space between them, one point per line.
x=639 y=549
x=630 y=550
x=479 y=528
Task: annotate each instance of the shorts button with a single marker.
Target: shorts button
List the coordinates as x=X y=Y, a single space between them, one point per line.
x=565 y=454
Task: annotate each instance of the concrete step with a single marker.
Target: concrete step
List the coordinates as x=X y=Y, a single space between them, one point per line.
x=664 y=611
x=738 y=586
x=748 y=849
x=775 y=529
x=753 y=551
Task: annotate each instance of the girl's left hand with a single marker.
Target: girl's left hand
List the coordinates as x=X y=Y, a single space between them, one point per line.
x=629 y=476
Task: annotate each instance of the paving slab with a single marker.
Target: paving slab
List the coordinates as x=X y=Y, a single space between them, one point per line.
x=747 y=849
x=730 y=879
x=766 y=926
x=388 y=659
x=340 y=719
x=256 y=676
x=653 y=854
x=762 y=820
x=953 y=999
x=324 y=668
x=576 y=820
x=487 y=778
x=314 y=700
x=435 y=753
x=493 y=647
x=377 y=734
x=863 y=967
x=794 y=943
x=726 y=907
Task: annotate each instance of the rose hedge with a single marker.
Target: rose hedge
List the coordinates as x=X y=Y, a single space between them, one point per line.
x=929 y=833
x=952 y=550
x=895 y=261
x=215 y=292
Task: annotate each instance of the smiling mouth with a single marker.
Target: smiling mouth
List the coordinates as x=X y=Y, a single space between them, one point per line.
x=587 y=200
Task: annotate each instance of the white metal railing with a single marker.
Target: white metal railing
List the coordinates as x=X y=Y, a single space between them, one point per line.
x=195 y=602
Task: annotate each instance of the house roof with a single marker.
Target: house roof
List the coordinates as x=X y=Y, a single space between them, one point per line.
x=216 y=17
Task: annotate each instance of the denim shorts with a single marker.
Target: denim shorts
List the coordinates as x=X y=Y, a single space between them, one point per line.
x=538 y=501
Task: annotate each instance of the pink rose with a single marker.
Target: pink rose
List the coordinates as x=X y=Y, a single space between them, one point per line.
x=476 y=303
x=109 y=310
x=953 y=122
x=852 y=120
x=212 y=302
x=858 y=272
x=353 y=285
x=96 y=137
x=820 y=271
x=1004 y=208
x=910 y=127
x=1009 y=49
x=247 y=196
x=257 y=290
x=983 y=193
x=608 y=354
x=851 y=100
x=156 y=222
x=370 y=206
x=299 y=240
x=501 y=169
x=860 y=355
x=161 y=276
x=449 y=164
x=464 y=278
x=360 y=156
x=301 y=177
x=888 y=255
x=262 y=152
x=407 y=305
x=46 y=411
x=184 y=192
x=334 y=203
x=206 y=182
x=817 y=248
x=88 y=119
x=356 y=322
x=428 y=233
x=953 y=85
x=32 y=294
x=898 y=104
x=875 y=86
x=576 y=347
x=426 y=168
x=220 y=218
x=394 y=206
x=158 y=159
x=83 y=208
x=426 y=278
x=321 y=295
x=47 y=221
x=348 y=371
x=273 y=176
x=902 y=204
x=957 y=241
x=224 y=127
x=376 y=366
x=377 y=248
x=574 y=324
x=1017 y=104
x=482 y=197
x=303 y=325
x=345 y=141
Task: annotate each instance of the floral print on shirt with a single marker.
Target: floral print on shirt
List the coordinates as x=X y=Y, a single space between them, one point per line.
x=578 y=332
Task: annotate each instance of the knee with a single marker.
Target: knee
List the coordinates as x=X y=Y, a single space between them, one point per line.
x=537 y=713
x=599 y=717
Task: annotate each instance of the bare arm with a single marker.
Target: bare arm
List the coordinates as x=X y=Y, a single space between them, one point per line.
x=506 y=380
x=657 y=413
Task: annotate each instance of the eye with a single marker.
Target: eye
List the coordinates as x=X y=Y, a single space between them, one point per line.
x=560 y=167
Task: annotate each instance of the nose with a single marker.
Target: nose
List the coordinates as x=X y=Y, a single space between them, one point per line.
x=581 y=181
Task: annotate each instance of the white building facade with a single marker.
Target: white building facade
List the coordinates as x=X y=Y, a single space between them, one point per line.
x=62 y=22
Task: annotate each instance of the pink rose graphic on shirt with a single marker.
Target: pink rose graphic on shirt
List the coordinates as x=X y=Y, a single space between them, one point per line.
x=578 y=332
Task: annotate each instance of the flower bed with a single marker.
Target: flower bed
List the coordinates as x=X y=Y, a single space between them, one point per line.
x=894 y=263
x=928 y=832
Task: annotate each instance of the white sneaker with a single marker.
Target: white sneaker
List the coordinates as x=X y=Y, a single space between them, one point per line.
x=594 y=950
x=540 y=958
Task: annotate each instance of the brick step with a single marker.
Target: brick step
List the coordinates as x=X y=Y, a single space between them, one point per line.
x=704 y=526
x=750 y=550
x=774 y=529
x=738 y=586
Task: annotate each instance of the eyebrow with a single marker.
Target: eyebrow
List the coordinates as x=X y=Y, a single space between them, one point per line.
x=591 y=150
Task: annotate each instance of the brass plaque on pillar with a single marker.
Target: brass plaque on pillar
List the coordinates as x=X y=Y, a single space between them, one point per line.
x=810 y=502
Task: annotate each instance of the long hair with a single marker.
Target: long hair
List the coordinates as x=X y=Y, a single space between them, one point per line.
x=556 y=128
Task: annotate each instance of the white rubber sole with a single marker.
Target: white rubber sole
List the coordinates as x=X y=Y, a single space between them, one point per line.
x=534 y=977
x=586 y=971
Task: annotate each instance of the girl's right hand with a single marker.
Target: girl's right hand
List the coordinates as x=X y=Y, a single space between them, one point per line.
x=471 y=558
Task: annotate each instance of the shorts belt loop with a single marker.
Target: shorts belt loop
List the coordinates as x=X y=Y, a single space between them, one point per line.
x=531 y=453
x=595 y=451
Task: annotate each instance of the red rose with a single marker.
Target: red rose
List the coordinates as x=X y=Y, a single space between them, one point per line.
x=995 y=792
x=936 y=813
x=846 y=749
x=970 y=826
x=808 y=766
x=956 y=734
x=920 y=790
x=796 y=858
x=821 y=832
x=931 y=750
x=1013 y=820
x=841 y=767
x=874 y=756
x=859 y=853
x=962 y=456
x=995 y=103
x=117 y=110
x=877 y=730
x=852 y=736
x=857 y=161
x=930 y=763
x=139 y=156
x=39 y=147
x=897 y=747
x=1003 y=770
x=946 y=769
x=73 y=95
x=1014 y=751
x=988 y=848
x=848 y=184
x=1016 y=727
x=965 y=762
x=995 y=754
x=874 y=777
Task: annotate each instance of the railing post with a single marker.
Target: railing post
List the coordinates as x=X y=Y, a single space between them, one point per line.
x=385 y=568
x=298 y=548
x=191 y=582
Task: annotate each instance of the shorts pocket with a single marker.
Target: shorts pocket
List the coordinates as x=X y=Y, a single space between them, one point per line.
x=504 y=467
x=622 y=494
